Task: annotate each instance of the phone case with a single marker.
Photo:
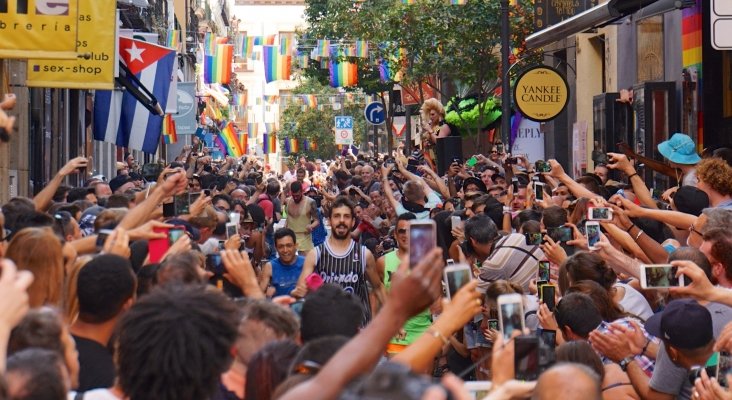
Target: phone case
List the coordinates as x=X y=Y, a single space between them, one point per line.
x=158 y=247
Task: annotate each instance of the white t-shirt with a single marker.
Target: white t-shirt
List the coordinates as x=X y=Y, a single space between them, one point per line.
x=634 y=303
x=432 y=201
x=96 y=394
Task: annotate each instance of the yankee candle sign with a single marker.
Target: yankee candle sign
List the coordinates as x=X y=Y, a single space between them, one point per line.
x=541 y=93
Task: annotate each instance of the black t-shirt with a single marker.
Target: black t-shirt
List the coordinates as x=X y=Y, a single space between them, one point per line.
x=97 y=365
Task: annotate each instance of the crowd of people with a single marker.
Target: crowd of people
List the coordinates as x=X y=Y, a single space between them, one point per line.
x=223 y=279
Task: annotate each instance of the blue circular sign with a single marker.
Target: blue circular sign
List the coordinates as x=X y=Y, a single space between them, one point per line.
x=374 y=113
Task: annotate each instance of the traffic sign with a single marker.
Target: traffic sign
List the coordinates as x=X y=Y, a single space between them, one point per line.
x=721 y=19
x=374 y=113
x=344 y=130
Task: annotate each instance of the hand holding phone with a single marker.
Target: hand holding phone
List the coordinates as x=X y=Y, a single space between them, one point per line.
x=526 y=358
x=510 y=314
x=422 y=239
x=660 y=276
x=599 y=214
x=593 y=233
x=457 y=276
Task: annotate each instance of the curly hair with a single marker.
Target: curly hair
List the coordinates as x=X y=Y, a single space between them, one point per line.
x=716 y=174
x=429 y=105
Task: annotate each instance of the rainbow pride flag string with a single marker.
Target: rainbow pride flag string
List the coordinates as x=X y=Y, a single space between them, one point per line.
x=265 y=143
x=362 y=49
x=240 y=99
x=247 y=46
x=173 y=39
x=258 y=41
x=276 y=66
x=323 y=48
x=385 y=74
x=269 y=40
x=409 y=1
x=294 y=145
x=271 y=99
x=270 y=127
x=458 y=2
x=244 y=143
x=310 y=100
x=253 y=129
x=170 y=134
x=209 y=44
x=217 y=68
x=286 y=44
x=343 y=74
x=231 y=140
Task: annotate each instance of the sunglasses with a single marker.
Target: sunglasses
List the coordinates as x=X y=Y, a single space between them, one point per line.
x=401 y=231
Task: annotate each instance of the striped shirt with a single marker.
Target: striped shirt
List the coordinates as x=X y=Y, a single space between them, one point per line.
x=347 y=270
x=512 y=260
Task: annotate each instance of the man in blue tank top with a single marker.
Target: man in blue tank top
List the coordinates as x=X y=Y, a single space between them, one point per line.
x=279 y=276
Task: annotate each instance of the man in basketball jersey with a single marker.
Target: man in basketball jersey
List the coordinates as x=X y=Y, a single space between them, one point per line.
x=342 y=261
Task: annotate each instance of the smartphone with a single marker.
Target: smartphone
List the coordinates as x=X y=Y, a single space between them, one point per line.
x=234 y=218
x=549 y=337
x=499 y=148
x=493 y=324
x=182 y=204
x=546 y=294
x=231 y=229
x=544 y=271
x=450 y=261
x=102 y=236
x=168 y=210
x=533 y=239
x=514 y=183
x=510 y=314
x=175 y=233
x=539 y=191
x=158 y=247
x=456 y=276
x=724 y=368
x=422 y=239
x=471 y=161
x=593 y=233
x=478 y=389
x=456 y=222
x=512 y=160
x=659 y=276
x=599 y=214
x=526 y=358
x=541 y=283
x=215 y=265
x=561 y=234
x=542 y=166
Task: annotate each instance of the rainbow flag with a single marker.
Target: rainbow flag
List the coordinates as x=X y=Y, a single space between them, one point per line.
x=409 y=1
x=362 y=49
x=217 y=68
x=258 y=40
x=343 y=74
x=276 y=66
x=244 y=143
x=269 y=40
x=286 y=40
x=310 y=100
x=173 y=39
x=247 y=46
x=270 y=127
x=384 y=71
x=458 y=2
x=286 y=144
x=269 y=142
x=303 y=60
x=231 y=140
x=209 y=44
x=169 y=132
x=271 y=99
x=240 y=99
x=323 y=48
x=253 y=129
x=294 y=145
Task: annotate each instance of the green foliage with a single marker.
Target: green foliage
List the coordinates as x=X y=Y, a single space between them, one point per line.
x=460 y=44
x=316 y=125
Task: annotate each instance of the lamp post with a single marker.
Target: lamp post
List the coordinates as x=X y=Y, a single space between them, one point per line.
x=505 y=84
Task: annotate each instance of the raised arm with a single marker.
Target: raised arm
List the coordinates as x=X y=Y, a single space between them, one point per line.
x=43 y=199
x=621 y=163
x=441 y=187
x=175 y=183
x=387 y=188
x=301 y=289
x=577 y=189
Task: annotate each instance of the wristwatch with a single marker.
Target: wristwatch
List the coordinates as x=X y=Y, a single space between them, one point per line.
x=625 y=362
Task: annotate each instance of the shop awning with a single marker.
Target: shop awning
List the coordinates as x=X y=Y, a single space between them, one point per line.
x=592 y=18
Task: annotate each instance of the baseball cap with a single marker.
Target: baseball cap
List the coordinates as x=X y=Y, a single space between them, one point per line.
x=690 y=200
x=680 y=149
x=118 y=181
x=685 y=324
x=475 y=181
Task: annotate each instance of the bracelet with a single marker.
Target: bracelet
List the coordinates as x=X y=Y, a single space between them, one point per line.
x=436 y=334
x=640 y=232
x=632 y=225
x=643 y=352
x=631 y=176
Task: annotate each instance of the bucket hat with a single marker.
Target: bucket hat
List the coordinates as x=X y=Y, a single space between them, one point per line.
x=680 y=149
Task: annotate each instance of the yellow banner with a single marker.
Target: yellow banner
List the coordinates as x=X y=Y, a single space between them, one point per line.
x=38 y=28
x=95 y=66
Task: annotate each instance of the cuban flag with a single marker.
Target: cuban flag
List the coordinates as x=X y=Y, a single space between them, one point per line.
x=118 y=116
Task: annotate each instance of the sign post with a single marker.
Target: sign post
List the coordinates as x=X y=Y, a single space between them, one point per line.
x=721 y=19
x=344 y=130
